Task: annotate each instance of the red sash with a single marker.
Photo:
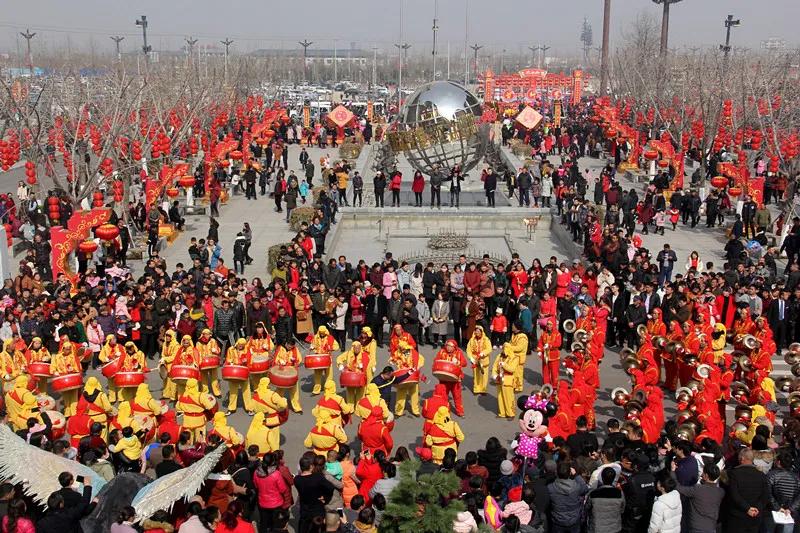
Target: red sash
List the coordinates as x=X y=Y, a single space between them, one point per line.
x=438 y=433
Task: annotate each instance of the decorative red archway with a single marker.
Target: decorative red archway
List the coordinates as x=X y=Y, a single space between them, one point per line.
x=65 y=240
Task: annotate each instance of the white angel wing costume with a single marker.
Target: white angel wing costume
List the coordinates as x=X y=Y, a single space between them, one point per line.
x=38 y=470
x=184 y=483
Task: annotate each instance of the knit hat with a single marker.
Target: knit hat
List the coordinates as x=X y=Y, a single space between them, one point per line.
x=506 y=468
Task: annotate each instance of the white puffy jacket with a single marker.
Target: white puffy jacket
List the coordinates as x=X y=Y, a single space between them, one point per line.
x=666 y=517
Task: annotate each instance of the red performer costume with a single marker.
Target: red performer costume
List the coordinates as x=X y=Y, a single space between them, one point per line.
x=452 y=353
x=550 y=352
x=374 y=433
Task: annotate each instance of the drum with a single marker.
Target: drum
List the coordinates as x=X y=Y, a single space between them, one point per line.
x=349 y=378
x=163 y=372
x=45 y=402
x=412 y=378
x=209 y=362
x=258 y=364
x=59 y=422
x=446 y=371
x=283 y=377
x=67 y=382
x=148 y=425
x=128 y=379
x=317 y=361
x=39 y=369
x=183 y=372
x=84 y=354
x=235 y=372
x=110 y=368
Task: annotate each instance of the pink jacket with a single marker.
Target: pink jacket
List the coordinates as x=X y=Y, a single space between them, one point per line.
x=270 y=489
x=24 y=525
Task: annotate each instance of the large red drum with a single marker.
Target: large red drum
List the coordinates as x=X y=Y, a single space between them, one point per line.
x=317 y=361
x=412 y=378
x=84 y=354
x=183 y=372
x=128 y=379
x=349 y=378
x=39 y=369
x=148 y=424
x=446 y=371
x=59 y=422
x=45 y=402
x=67 y=382
x=209 y=362
x=283 y=377
x=110 y=368
x=235 y=372
x=258 y=364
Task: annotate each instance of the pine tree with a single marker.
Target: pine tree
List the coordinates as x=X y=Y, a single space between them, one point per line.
x=415 y=505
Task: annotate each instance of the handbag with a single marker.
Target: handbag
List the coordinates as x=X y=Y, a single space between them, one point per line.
x=542 y=322
x=357 y=317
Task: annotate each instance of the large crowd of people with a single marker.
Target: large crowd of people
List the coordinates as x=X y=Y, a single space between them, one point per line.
x=706 y=333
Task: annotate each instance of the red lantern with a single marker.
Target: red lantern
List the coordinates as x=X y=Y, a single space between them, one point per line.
x=236 y=154
x=172 y=192
x=651 y=155
x=186 y=181
x=720 y=182
x=88 y=247
x=663 y=163
x=107 y=232
x=735 y=191
x=31 y=180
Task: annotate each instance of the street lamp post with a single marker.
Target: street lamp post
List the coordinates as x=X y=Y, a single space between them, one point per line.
x=227 y=43
x=435 y=29
x=730 y=22
x=142 y=21
x=305 y=43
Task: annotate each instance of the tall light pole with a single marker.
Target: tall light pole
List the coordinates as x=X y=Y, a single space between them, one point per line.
x=400 y=67
x=28 y=36
x=534 y=50
x=665 y=24
x=374 y=67
x=118 y=39
x=729 y=23
x=475 y=49
x=146 y=48
x=466 y=36
x=435 y=29
x=227 y=43
x=305 y=43
x=190 y=42
x=543 y=55
x=604 y=56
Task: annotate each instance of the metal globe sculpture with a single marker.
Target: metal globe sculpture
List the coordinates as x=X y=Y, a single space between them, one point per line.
x=438 y=128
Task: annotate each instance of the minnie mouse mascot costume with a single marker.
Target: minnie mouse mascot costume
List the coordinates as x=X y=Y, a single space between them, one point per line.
x=533 y=436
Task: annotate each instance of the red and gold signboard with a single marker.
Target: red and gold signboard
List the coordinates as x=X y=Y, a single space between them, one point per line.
x=370 y=110
x=529 y=118
x=306 y=116
x=340 y=116
x=64 y=241
x=532 y=73
x=577 y=86
x=755 y=188
x=154 y=185
x=557 y=112
x=488 y=87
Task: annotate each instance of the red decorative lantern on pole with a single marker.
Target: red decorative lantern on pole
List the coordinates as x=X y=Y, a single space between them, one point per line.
x=172 y=192
x=107 y=232
x=236 y=154
x=735 y=191
x=663 y=163
x=87 y=247
x=720 y=182
x=187 y=181
x=651 y=155
x=98 y=199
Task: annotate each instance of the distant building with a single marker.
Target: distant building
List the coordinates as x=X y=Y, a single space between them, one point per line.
x=773 y=43
x=324 y=56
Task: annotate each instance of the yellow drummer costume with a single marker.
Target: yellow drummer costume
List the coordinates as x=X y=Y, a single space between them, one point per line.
x=66 y=362
x=325 y=436
x=193 y=404
x=290 y=357
x=336 y=406
x=443 y=434
x=356 y=359
x=258 y=435
x=259 y=346
x=372 y=398
x=518 y=345
x=323 y=343
x=20 y=404
x=370 y=345
x=408 y=358
x=9 y=363
x=237 y=355
x=479 y=349
x=207 y=346
x=37 y=353
x=94 y=402
x=168 y=350
x=229 y=436
x=718 y=341
x=504 y=371
x=110 y=352
x=144 y=405
x=273 y=409
x=185 y=355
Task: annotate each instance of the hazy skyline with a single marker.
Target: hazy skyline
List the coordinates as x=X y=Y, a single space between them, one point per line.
x=498 y=24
